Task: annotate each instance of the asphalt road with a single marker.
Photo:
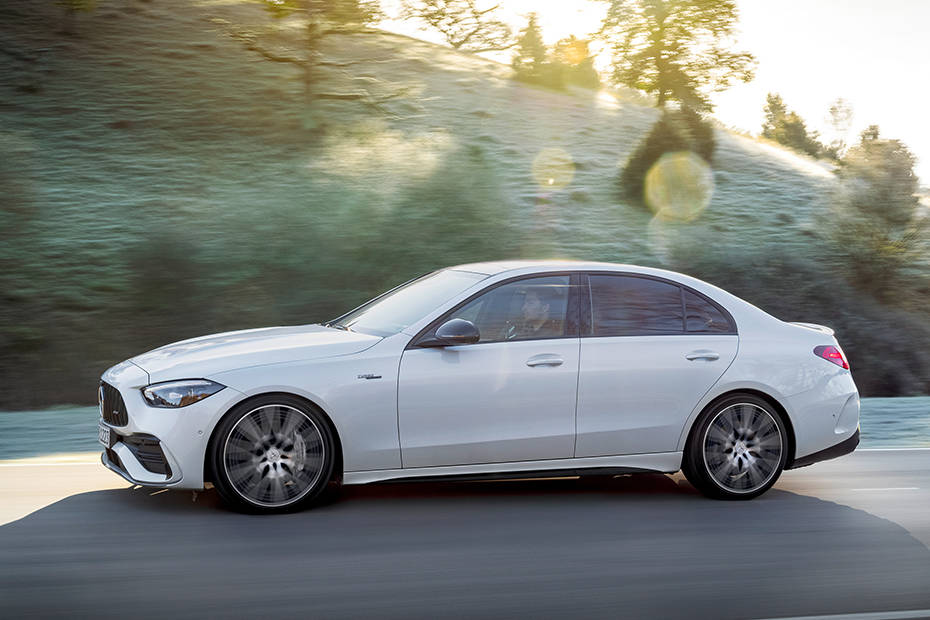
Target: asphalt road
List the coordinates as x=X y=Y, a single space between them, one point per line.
x=840 y=537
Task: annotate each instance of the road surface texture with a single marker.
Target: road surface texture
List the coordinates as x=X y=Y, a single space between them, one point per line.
x=841 y=537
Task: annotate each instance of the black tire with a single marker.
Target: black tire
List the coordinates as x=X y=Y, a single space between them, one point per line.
x=737 y=449
x=272 y=454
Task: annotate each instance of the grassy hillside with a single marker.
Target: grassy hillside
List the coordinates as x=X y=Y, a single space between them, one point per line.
x=160 y=181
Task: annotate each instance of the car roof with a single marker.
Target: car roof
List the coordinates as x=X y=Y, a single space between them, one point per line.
x=527 y=267
x=492 y=268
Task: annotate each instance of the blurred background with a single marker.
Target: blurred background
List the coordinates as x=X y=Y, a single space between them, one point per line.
x=172 y=168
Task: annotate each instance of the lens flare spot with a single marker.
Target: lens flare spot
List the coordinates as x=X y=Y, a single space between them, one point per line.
x=679 y=186
x=553 y=168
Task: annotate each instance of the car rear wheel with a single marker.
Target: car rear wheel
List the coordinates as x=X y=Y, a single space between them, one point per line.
x=737 y=449
x=272 y=454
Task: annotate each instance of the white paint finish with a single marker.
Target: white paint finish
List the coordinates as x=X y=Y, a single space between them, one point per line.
x=182 y=432
x=364 y=411
x=635 y=393
x=483 y=403
x=848 y=419
x=777 y=359
x=199 y=357
x=668 y=462
x=463 y=406
x=126 y=374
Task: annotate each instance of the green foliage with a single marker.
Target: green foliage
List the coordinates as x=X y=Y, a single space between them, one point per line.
x=787 y=128
x=874 y=224
x=675 y=131
x=530 y=56
x=675 y=49
x=468 y=25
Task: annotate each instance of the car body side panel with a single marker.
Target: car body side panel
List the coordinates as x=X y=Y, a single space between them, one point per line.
x=778 y=360
x=357 y=392
x=485 y=403
x=635 y=393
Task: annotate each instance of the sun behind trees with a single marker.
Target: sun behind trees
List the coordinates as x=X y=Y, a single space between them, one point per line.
x=568 y=62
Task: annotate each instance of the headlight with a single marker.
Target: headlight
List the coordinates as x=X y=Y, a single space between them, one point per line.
x=173 y=394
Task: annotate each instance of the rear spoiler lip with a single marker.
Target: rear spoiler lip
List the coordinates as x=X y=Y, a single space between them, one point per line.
x=819 y=328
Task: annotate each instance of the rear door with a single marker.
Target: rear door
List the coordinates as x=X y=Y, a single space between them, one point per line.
x=650 y=350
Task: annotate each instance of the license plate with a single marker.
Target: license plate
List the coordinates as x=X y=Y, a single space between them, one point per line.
x=103 y=435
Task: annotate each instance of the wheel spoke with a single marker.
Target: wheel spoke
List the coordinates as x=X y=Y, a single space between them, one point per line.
x=742 y=447
x=274 y=455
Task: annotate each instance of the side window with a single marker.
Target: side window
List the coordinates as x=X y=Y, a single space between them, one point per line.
x=702 y=316
x=630 y=306
x=530 y=309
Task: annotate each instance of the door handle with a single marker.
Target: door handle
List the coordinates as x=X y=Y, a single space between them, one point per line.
x=703 y=355
x=545 y=360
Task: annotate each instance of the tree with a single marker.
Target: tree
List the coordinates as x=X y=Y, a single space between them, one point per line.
x=321 y=18
x=875 y=226
x=569 y=62
x=464 y=24
x=675 y=49
x=788 y=128
x=841 y=115
x=529 y=58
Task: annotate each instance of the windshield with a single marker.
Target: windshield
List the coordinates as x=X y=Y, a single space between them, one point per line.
x=408 y=303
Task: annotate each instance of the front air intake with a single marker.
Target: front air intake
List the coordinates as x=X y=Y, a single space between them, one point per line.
x=112 y=407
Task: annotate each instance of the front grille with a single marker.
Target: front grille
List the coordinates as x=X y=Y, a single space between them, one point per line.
x=112 y=407
x=148 y=452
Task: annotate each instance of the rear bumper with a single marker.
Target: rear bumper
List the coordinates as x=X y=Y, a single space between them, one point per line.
x=840 y=449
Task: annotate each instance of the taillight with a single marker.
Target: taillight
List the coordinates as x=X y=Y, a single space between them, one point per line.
x=832 y=354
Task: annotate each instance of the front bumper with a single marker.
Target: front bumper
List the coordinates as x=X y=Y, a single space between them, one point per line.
x=158 y=447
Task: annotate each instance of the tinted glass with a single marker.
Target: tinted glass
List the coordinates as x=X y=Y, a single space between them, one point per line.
x=529 y=309
x=409 y=303
x=629 y=306
x=704 y=317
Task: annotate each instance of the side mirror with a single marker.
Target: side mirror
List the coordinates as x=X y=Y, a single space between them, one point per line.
x=453 y=332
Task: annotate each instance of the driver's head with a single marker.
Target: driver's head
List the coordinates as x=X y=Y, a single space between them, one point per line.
x=535 y=308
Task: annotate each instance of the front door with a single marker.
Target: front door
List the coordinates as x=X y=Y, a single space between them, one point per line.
x=508 y=397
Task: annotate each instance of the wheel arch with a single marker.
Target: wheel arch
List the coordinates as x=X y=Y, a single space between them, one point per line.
x=779 y=408
x=337 y=451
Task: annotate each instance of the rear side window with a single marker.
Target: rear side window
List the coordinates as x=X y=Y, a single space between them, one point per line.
x=702 y=316
x=631 y=306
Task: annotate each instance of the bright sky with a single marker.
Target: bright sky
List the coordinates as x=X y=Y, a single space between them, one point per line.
x=875 y=54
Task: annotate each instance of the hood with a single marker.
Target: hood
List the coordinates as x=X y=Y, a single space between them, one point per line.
x=200 y=357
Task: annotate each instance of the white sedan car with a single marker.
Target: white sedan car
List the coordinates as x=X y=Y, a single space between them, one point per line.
x=516 y=369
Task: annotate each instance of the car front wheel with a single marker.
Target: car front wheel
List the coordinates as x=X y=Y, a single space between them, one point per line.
x=272 y=454
x=737 y=450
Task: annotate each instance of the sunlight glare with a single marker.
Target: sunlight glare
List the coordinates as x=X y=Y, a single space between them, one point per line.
x=553 y=168
x=679 y=186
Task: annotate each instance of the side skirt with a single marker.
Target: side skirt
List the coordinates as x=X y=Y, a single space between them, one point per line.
x=660 y=462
